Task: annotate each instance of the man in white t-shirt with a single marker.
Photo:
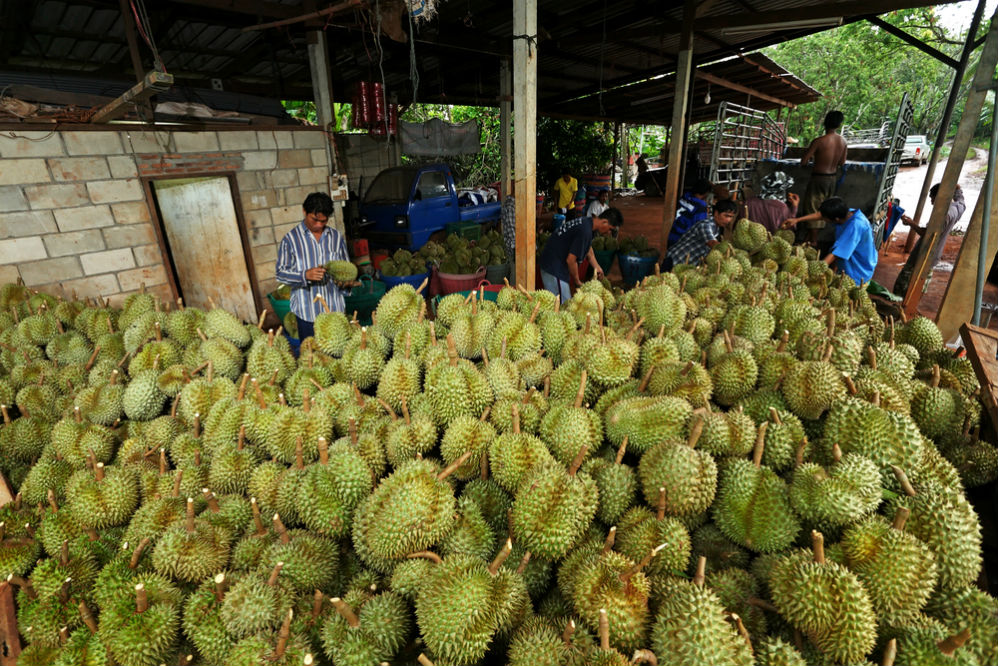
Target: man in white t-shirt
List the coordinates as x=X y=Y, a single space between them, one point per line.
x=598 y=205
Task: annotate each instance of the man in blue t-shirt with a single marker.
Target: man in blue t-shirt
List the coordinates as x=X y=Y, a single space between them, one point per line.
x=569 y=245
x=854 y=252
x=692 y=209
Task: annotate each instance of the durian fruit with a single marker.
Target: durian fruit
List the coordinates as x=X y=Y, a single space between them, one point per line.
x=811 y=387
x=464 y=434
x=409 y=437
x=947 y=523
x=614 y=361
x=553 y=507
x=647 y=421
x=639 y=531
x=332 y=333
x=202 y=620
x=267 y=356
x=617 y=484
x=567 y=427
x=784 y=436
x=839 y=495
x=513 y=454
x=661 y=307
x=749 y=236
x=24 y=439
x=774 y=651
x=411 y=510
x=399 y=308
x=537 y=641
x=289 y=648
x=75 y=441
x=471 y=534
x=363 y=363
x=102 y=498
x=691 y=628
x=938 y=411
x=191 y=551
x=140 y=627
x=752 y=506
x=688 y=476
x=341 y=271
x=331 y=489
x=401 y=378
x=102 y=403
x=922 y=334
x=309 y=560
x=733 y=375
x=253 y=604
x=460 y=632
x=969 y=610
x=456 y=388
x=366 y=628
x=614 y=584
x=897 y=569
x=219 y=323
x=826 y=601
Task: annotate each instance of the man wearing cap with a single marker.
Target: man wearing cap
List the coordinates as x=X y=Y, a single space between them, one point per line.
x=775 y=204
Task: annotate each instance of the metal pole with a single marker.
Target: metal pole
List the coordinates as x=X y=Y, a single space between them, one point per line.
x=961 y=69
x=989 y=187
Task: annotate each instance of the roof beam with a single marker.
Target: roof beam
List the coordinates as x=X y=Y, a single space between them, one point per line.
x=816 y=11
x=706 y=76
x=914 y=41
x=259 y=8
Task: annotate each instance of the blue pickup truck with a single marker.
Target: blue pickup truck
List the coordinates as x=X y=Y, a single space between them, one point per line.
x=404 y=206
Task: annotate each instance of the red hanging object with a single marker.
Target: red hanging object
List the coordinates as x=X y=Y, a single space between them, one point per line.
x=377 y=102
x=393 y=119
x=362 y=112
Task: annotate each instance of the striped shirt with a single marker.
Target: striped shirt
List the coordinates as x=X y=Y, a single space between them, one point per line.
x=692 y=246
x=299 y=251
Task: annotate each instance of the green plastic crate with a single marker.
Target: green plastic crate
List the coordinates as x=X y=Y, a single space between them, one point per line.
x=468 y=230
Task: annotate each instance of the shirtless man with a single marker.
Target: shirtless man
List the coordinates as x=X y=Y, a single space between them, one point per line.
x=829 y=153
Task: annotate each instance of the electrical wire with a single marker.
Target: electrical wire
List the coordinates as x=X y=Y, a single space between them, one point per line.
x=144 y=28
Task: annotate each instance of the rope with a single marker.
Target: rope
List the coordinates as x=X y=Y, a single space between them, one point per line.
x=531 y=42
x=413 y=71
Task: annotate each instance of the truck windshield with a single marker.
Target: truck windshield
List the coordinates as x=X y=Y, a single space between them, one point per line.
x=391 y=186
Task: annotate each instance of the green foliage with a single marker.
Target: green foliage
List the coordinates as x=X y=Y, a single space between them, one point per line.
x=468 y=170
x=581 y=147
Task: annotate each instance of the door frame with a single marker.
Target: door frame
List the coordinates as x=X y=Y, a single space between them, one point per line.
x=160 y=229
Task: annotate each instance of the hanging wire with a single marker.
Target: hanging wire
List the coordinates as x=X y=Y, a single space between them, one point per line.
x=144 y=28
x=602 y=48
x=413 y=70
x=381 y=68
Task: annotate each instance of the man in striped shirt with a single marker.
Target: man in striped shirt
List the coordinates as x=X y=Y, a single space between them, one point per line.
x=301 y=258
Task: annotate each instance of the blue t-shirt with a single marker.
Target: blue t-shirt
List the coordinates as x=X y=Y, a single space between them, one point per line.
x=690 y=211
x=854 y=249
x=571 y=237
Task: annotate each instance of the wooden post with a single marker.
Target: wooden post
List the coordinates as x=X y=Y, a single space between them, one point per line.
x=954 y=92
x=505 y=141
x=128 y=20
x=616 y=151
x=625 y=156
x=525 y=119
x=677 y=145
x=10 y=641
x=961 y=144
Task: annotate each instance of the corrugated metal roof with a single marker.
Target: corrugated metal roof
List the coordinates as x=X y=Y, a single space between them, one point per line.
x=583 y=47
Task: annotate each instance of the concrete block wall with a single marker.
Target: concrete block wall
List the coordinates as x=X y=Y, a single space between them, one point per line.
x=74 y=216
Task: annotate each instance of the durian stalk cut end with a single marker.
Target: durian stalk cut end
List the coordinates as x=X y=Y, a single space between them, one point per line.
x=501 y=557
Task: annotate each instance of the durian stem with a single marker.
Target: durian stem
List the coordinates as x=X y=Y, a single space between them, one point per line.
x=91 y=534
x=621 y=450
x=259 y=393
x=424 y=660
x=220 y=585
x=763 y=604
x=566 y=636
x=176 y=482
x=784 y=340
x=799 y=456
x=523 y=563
x=638 y=324
x=141 y=599
x=352 y=430
x=580 y=395
x=323 y=451
x=272 y=581
x=212 y=501
x=320 y=299
x=281 y=529
x=644 y=656
x=902 y=478
x=836 y=452
x=577 y=462
x=88 y=617
x=901 y=517
x=890 y=653
x=282 y=400
x=64 y=553
x=501 y=557
x=646 y=379
x=660 y=506
x=626 y=576
x=283 y=635
x=317 y=600
x=935 y=375
x=299 y=453
x=604 y=630
x=533 y=315
x=242 y=386
x=6 y=414
x=185 y=659
x=451 y=351
x=257 y=519
x=190 y=514
x=547 y=385
x=871 y=358
x=727 y=342
x=24 y=584
x=30 y=530
x=93 y=358
x=197 y=424
x=611 y=536
x=516 y=418
x=241 y=442
x=774 y=416
x=740 y=626
x=850 y=385
x=316 y=384
x=818 y=546
x=701 y=574
x=426 y=555
x=949 y=645
x=447 y=471
x=695 y=431
x=99 y=471
x=51 y=499
x=484 y=466
x=760 y=444
x=405 y=411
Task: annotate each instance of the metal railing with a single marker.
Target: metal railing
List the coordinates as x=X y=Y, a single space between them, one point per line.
x=742 y=136
x=902 y=125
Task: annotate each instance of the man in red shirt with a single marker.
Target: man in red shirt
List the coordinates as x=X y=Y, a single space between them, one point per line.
x=775 y=203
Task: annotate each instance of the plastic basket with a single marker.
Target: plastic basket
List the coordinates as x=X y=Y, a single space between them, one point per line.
x=468 y=230
x=495 y=274
x=451 y=282
x=605 y=259
x=414 y=280
x=364 y=299
x=281 y=307
x=634 y=268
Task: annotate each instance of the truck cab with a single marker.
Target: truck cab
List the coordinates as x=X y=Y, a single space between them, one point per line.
x=405 y=205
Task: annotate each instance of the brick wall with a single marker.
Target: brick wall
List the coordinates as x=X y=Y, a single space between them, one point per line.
x=73 y=209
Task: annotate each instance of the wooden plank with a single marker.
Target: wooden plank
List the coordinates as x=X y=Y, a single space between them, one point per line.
x=10 y=641
x=706 y=76
x=677 y=145
x=525 y=140
x=982 y=345
x=506 y=138
x=958 y=154
x=914 y=41
x=153 y=83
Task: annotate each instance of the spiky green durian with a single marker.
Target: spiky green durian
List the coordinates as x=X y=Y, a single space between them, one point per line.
x=567 y=427
x=972 y=611
x=811 y=387
x=639 y=531
x=537 y=641
x=219 y=323
x=612 y=585
x=139 y=627
x=512 y=454
x=102 y=498
x=333 y=332
x=617 y=484
x=401 y=378
x=409 y=437
x=366 y=629
x=774 y=651
x=332 y=488
x=688 y=476
x=466 y=433
x=255 y=602
x=409 y=511
x=647 y=421
x=399 y=308
x=826 y=601
x=833 y=497
x=192 y=550
x=922 y=334
x=752 y=506
x=202 y=620
x=661 y=307
x=471 y=534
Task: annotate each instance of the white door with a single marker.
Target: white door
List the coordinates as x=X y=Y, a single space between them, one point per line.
x=203 y=235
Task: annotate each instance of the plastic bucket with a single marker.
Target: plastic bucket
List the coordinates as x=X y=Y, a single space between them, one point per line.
x=496 y=273
x=281 y=307
x=605 y=259
x=414 y=280
x=634 y=268
x=364 y=299
x=451 y=282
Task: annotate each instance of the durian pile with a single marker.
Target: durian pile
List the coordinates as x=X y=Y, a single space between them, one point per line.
x=637 y=246
x=605 y=244
x=464 y=257
x=734 y=464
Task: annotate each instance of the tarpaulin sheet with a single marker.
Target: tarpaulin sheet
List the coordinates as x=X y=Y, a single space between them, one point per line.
x=437 y=138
